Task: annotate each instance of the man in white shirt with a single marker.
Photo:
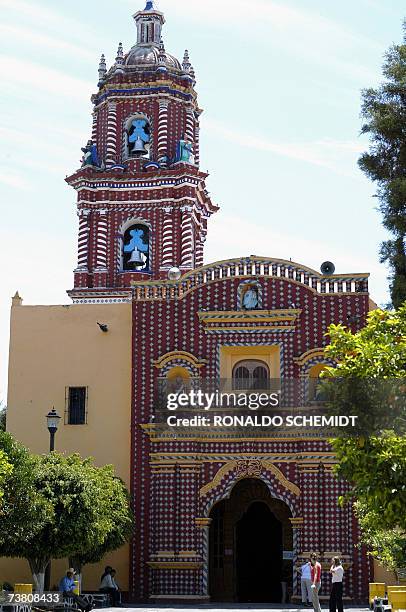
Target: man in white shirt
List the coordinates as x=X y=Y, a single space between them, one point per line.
x=306 y=584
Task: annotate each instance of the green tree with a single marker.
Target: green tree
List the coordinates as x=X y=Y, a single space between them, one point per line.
x=384 y=113
x=82 y=499
x=117 y=507
x=5 y=471
x=24 y=510
x=3 y=416
x=56 y=506
x=386 y=545
x=375 y=466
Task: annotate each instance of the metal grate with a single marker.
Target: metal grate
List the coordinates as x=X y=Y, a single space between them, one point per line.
x=76 y=406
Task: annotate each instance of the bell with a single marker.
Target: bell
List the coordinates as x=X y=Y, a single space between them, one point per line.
x=139 y=147
x=136 y=258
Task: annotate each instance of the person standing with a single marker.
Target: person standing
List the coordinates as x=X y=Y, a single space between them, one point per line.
x=306 y=583
x=336 y=595
x=315 y=572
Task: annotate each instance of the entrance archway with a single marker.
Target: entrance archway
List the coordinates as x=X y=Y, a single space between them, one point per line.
x=250 y=546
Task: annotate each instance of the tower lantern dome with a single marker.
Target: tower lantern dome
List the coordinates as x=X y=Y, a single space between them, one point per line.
x=149 y=24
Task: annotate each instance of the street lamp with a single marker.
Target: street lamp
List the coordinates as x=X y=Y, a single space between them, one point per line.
x=52 y=423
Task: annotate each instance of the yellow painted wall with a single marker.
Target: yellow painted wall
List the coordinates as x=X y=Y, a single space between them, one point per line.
x=54 y=347
x=383 y=575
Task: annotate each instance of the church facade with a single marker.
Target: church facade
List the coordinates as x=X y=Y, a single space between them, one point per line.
x=221 y=513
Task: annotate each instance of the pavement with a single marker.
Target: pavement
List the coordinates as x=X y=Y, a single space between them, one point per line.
x=220 y=608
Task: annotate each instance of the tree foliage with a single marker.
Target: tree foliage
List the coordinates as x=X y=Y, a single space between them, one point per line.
x=3 y=416
x=384 y=114
x=117 y=505
x=5 y=471
x=386 y=545
x=375 y=466
x=23 y=510
x=378 y=350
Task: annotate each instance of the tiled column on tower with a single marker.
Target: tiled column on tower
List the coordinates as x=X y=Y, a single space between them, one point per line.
x=100 y=273
x=167 y=239
x=190 y=125
x=111 y=150
x=187 y=238
x=94 y=127
x=163 y=132
x=81 y=272
x=197 y=142
x=200 y=249
x=83 y=241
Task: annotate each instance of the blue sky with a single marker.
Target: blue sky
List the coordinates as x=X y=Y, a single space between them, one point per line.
x=280 y=84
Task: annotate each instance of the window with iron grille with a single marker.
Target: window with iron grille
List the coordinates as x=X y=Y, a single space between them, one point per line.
x=250 y=374
x=76 y=406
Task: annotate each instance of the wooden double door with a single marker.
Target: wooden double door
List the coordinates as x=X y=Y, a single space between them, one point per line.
x=250 y=534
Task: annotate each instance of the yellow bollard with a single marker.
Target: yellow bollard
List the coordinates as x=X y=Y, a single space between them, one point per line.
x=19 y=587
x=76 y=589
x=376 y=589
x=395 y=587
x=398 y=599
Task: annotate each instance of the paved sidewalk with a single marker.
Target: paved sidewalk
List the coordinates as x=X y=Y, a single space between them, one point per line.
x=219 y=608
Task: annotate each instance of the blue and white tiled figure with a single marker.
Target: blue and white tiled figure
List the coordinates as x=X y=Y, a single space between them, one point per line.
x=137 y=248
x=90 y=156
x=184 y=151
x=140 y=136
x=250 y=299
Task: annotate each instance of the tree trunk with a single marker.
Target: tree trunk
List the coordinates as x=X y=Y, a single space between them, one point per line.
x=38 y=567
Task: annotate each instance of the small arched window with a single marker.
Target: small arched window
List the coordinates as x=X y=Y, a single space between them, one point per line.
x=315 y=388
x=136 y=248
x=178 y=380
x=250 y=374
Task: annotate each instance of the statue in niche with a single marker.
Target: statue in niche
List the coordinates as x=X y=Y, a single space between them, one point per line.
x=139 y=136
x=184 y=151
x=250 y=298
x=138 y=247
x=90 y=157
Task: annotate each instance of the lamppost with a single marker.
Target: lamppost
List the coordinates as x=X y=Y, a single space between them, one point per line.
x=52 y=423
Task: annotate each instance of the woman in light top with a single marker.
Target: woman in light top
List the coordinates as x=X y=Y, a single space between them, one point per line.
x=336 y=595
x=108 y=585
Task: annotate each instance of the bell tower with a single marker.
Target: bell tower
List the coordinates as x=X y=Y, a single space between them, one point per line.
x=141 y=197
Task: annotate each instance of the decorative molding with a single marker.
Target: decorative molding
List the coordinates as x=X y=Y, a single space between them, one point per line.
x=223 y=471
x=297 y=522
x=183 y=355
x=248 y=468
x=203 y=522
x=310 y=354
x=178 y=565
x=264 y=320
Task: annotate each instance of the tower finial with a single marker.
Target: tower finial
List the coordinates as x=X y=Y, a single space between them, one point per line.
x=149 y=6
x=102 y=69
x=161 y=56
x=120 y=59
x=186 y=65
